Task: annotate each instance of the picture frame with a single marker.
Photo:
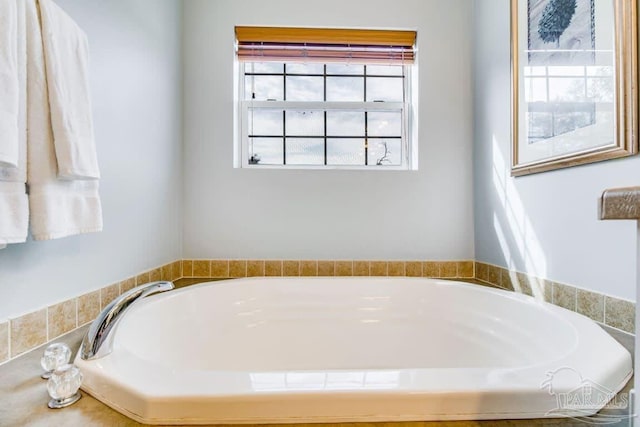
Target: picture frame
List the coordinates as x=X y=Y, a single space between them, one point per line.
x=574 y=72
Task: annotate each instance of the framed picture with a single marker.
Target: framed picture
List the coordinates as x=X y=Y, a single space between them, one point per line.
x=574 y=82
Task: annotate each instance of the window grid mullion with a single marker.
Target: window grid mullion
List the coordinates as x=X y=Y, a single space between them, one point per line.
x=366 y=122
x=366 y=138
x=325 y=137
x=328 y=136
x=325 y=113
x=284 y=115
x=386 y=76
x=325 y=110
x=284 y=82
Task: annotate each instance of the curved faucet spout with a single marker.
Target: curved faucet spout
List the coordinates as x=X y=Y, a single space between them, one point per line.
x=98 y=340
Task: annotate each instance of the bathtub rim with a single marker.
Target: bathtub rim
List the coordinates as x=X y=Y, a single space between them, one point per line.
x=110 y=364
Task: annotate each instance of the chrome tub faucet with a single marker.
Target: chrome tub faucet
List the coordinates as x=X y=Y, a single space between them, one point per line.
x=98 y=340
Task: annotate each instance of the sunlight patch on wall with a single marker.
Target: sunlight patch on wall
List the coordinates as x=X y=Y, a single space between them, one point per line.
x=516 y=235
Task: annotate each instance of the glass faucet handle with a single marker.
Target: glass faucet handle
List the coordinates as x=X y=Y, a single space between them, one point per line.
x=55 y=355
x=63 y=386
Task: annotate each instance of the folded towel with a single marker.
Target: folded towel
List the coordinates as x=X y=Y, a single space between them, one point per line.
x=14 y=209
x=14 y=205
x=62 y=209
x=66 y=53
x=8 y=83
x=59 y=208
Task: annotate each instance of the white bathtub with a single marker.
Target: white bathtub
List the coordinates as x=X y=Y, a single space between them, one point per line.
x=287 y=350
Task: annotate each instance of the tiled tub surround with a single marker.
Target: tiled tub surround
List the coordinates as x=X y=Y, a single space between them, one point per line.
x=607 y=310
x=27 y=332
x=251 y=268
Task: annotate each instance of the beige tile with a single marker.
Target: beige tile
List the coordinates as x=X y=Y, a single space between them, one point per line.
x=127 y=285
x=142 y=278
x=219 y=268
x=166 y=272
x=326 y=268
x=523 y=284
x=88 y=307
x=176 y=270
x=187 y=268
x=28 y=332
x=238 y=268
x=273 y=268
x=541 y=288
x=201 y=268
x=4 y=341
x=396 y=268
x=494 y=275
x=183 y=283
x=430 y=269
x=620 y=314
x=413 y=269
x=532 y=282
x=465 y=269
x=361 y=268
x=507 y=278
x=378 y=268
x=291 y=268
x=448 y=269
x=548 y=291
x=108 y=294
x=62 y=318
x=255 y=268
x=344 y=268
x=155 y=275
x=590 y=304
x=564 y=296
x=308 y=268
x=482 y=271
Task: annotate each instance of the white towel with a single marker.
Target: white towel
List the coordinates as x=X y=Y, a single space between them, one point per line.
x=59 y=208
x=66 y=52
x=14 y=213
x=14 y=205
x=8 y=83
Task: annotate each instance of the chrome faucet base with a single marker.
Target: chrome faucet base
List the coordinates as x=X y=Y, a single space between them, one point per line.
x=63 y=403
x=98 y=340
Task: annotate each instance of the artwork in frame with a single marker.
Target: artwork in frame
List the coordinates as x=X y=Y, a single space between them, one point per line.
x=574 y=75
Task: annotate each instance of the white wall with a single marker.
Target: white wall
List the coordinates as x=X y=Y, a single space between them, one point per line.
x=136 y=91
x=544 y=224
x=329 y=214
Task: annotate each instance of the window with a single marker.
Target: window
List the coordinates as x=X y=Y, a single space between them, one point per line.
x=325 y=104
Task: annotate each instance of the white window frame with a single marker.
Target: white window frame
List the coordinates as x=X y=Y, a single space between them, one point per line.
x=407 y=108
